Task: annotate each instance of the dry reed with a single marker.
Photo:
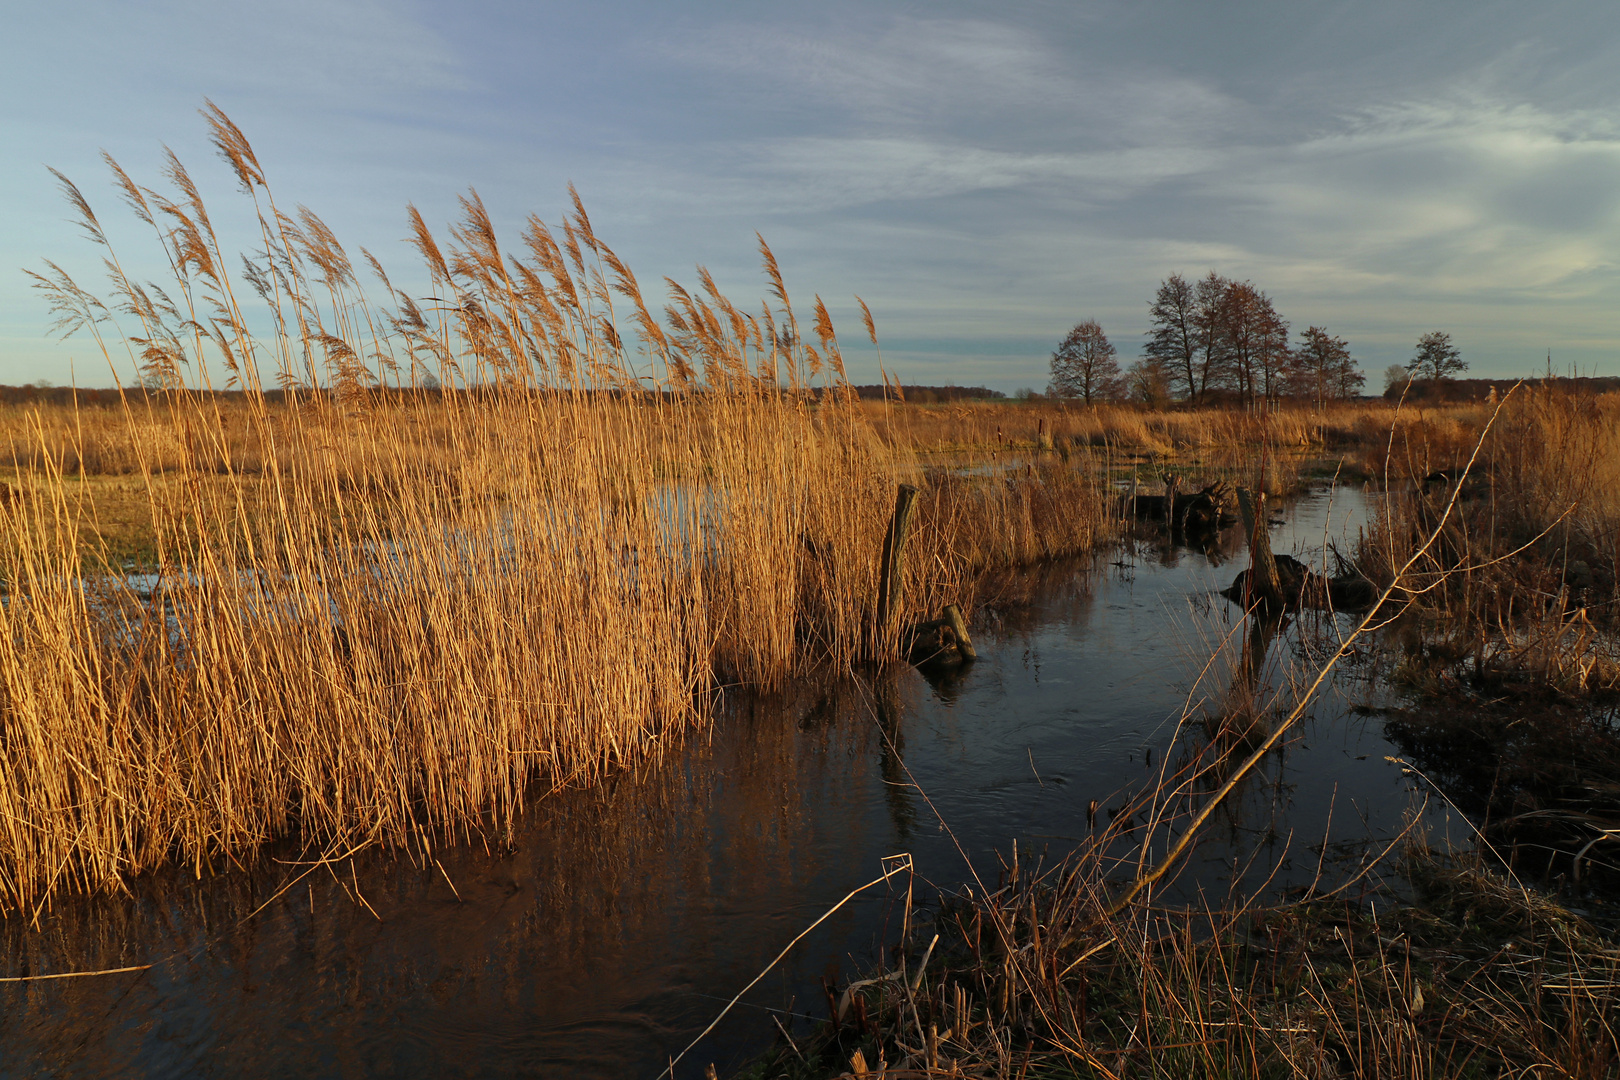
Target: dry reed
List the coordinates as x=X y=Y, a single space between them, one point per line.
x=506 y=540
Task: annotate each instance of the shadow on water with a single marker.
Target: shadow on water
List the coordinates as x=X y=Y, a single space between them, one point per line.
x=618 y=920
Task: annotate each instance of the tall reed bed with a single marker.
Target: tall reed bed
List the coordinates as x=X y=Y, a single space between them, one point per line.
x=1526 y=569
x=513 y=536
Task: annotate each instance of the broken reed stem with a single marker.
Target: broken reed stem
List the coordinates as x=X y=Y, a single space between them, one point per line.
x=892 y=865
x=75 y=974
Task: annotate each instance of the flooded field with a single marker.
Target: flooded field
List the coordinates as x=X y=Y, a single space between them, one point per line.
x=618 y=920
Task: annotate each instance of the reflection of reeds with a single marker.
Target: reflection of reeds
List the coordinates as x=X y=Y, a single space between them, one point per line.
x=513 y=533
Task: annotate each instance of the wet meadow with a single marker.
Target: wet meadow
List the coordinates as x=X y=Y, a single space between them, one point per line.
x=499 y=684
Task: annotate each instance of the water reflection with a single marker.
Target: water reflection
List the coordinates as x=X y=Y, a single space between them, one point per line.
x=611 y=925
x=892 y=731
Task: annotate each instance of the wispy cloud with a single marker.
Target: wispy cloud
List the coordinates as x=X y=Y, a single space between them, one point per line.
x=986 y=179
x=999 y=81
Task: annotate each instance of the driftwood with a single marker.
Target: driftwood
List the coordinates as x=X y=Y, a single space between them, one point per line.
x=1205 y=511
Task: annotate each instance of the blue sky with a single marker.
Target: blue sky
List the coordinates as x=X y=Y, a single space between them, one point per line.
x=984 y=175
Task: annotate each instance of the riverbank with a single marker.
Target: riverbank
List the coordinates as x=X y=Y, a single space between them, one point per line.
x=1465 y=972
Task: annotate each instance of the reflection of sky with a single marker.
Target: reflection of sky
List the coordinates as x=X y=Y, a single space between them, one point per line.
x=984 y=180
x=1069 y=705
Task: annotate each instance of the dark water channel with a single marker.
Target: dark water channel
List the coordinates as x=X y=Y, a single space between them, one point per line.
x=628 y=914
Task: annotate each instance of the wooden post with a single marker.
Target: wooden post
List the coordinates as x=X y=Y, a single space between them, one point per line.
x=1133 y=493
x=958 y=625
x=890 y=578
x=1262 y=578
x=1170 y=484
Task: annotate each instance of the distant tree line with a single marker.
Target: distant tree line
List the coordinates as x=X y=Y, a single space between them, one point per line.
x=1431 y=391
x=928 y=395
x=43 y=393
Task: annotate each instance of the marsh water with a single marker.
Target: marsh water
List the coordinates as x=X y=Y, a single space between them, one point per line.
x=619 y=920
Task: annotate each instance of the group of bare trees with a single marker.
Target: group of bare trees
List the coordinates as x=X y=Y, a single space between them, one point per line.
x=1213 y=337
x=1220 y=336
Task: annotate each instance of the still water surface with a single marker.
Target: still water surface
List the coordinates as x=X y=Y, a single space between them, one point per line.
x=621 y=918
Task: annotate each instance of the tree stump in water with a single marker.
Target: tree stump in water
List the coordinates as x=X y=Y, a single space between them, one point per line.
x=1298 y=586
x=1200 y=513
x=1262 y=583
x=941 y=642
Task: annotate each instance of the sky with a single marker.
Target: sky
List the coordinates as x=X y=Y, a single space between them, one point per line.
x=984 y=175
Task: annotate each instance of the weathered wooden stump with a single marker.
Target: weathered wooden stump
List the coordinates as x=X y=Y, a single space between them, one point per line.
x=941 y=642
x=891 y=572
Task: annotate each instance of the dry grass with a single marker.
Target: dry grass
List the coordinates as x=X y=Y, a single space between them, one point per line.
x=1037 y=979
x=1524 y=581
x=996 y=425
x=1361 y=441
x=1505 y=639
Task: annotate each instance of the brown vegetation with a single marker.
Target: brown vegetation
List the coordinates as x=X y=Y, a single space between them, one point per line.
x=381 y=608
x=1041 y=978
x=385 y=610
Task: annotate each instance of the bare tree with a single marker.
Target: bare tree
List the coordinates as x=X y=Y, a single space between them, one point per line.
x=1436 y=357
x=1272 y=354
x=1214 y=360
x=1173 y=342
x=1191 y=335
x=1253 y=340
x=1085 y=365
x=1321 y=368
x=1148 y=382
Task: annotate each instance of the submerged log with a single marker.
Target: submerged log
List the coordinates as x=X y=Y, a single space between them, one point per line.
x=1300 y=587
x=1202 y=511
